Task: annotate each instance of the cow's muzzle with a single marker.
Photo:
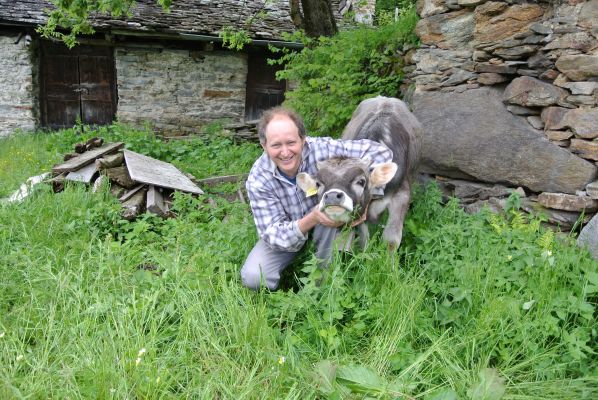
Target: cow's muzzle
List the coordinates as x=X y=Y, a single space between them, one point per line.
x=337 y=205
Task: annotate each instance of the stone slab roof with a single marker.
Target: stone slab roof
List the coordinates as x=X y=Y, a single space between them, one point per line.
x=204 y=17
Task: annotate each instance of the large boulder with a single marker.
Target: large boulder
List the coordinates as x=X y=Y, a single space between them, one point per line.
x=472 y=135
x=589 y=237
x=452 y=30
x=495 y=20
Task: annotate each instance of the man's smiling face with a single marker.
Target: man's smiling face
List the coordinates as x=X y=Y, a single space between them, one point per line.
x=284 y=145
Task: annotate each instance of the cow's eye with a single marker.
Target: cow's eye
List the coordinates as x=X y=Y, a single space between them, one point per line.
x=361 y=182
x=318 y=184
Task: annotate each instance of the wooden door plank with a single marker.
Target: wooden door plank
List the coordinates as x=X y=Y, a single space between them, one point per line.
x=155 y=172
x=84 y=174
x=88 y=157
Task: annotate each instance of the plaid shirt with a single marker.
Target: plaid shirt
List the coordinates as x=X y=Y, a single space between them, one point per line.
x=278 y=204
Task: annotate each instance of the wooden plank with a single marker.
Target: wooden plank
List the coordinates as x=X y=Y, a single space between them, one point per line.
x=155 y=172
x=84 y=174
x=130 y=193
x=216 y=180
x=155 y=201
x=86 y=158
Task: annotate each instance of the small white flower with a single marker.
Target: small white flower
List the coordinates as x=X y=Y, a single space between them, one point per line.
x=282 y=360
x=1 y=335
x=137 y=361
x=509 y=257
x=20 y=357
x=141 y=352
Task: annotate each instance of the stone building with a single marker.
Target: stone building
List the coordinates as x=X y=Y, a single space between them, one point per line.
x=168 y=69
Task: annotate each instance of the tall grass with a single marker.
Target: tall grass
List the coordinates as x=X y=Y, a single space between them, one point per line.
x=92 y=306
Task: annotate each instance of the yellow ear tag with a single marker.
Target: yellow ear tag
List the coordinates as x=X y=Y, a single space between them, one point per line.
x=311 y=192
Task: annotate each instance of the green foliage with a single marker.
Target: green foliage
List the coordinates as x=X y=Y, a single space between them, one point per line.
x=334 y=74
x=73 y=16
x=233 y=38
x=386 y=9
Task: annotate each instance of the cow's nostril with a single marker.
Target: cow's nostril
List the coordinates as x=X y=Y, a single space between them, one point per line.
x=339 y=196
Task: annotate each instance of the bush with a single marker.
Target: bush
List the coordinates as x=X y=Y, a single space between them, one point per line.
x=334 y=74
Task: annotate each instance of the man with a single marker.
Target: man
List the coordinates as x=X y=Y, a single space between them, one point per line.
x=283 y=214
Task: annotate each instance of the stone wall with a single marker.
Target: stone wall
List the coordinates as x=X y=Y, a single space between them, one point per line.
x=179 y=91
x=507 y=92
x=17 y=93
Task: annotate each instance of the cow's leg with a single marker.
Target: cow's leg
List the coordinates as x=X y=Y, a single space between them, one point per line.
x=364 y=235
x=397 y=209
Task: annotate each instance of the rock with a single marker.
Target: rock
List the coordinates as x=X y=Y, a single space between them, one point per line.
x=563 y=219
x=471 y=135
x=588 y=237
x=470 y=3
x=582 y=121
x=469 y=192
x=592 y=190
x=587 y=88
x=553 y=117
x=578 y=41
x=535 y=122
x=457 y=77
x=558 y=136
x=515 y=53
x=549 y=75
x=495 y=68
x=453 y=30
x=585 y=149
x=432 y=61
x=491 y=78
x=540 y=28
x=528 y=72
x=426 y=8
x=540 y=61
x=578 y=67
x=567 y=202
x=531 y=92
x=496 y=21
x=495 y=206
x=519 y=110
x=582 y=101
x=480 y=55
x=588 y=15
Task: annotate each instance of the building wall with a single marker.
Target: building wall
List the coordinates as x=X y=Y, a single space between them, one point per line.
x=17 y=92
x=179 y=91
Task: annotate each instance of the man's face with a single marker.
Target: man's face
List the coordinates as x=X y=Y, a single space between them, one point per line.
x=284 y=145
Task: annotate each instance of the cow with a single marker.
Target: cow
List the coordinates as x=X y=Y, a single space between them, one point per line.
x=348 y=187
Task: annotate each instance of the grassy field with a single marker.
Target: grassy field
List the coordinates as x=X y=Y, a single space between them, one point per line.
x=92 y=306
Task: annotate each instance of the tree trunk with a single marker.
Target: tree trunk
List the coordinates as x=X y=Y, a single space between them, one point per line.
x=318 y=19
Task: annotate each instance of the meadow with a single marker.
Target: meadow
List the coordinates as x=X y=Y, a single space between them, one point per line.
x=93 y=306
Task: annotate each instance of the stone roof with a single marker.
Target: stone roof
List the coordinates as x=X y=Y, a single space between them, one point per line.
x=204 y=17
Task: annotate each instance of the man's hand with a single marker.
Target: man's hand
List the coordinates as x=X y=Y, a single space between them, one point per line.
x=323 y=219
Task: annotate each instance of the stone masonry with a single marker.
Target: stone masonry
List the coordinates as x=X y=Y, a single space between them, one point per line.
x=179 y=91
x=507 y=92
x=17 y=105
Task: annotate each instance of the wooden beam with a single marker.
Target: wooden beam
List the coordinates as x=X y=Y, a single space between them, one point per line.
x=86 y=158
x=84 y=174
x=216 y=180
x=155 y=201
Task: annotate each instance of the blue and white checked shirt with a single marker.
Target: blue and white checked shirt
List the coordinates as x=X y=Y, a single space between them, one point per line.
x=277 y=204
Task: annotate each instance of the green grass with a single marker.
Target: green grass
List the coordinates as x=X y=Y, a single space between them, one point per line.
x=475 y=302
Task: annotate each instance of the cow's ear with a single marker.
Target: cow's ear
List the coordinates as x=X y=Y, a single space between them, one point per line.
x=383 y=173
x=306 y=183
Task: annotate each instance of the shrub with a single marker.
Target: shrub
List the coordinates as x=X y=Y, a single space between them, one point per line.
x=334 y=74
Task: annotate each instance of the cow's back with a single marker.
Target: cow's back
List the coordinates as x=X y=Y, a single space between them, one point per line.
x=388 y=120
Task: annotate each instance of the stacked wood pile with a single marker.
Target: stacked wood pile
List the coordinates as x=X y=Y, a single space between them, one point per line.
x=139 y=182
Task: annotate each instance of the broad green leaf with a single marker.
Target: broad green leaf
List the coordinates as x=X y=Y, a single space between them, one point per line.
x=443 y=394
x=325 y=373
x=490 y=387
x=360 y=379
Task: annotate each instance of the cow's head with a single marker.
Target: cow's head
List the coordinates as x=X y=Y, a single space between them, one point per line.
x=343 y=185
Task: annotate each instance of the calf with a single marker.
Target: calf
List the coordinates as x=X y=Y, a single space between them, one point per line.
x=347 y=187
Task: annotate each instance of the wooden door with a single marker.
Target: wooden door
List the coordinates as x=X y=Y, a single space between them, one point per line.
x=263 y=90
x=77 y=84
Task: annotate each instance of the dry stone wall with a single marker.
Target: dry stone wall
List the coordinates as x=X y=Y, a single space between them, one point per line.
x=507 y=92
x=17 y=105
x=179 y=91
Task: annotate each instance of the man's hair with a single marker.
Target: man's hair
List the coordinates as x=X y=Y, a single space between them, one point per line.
x=269 y=115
